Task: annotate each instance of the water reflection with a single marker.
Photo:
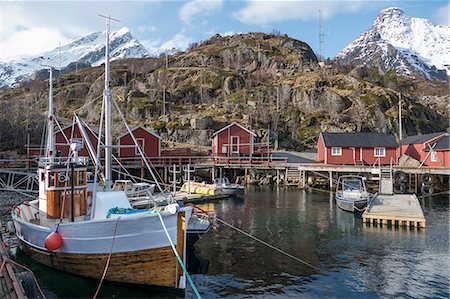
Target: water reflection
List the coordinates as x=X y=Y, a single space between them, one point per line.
x=355 y=260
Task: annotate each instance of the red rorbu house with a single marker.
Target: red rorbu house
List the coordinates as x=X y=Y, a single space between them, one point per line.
x=233 y=141
x=356 y=148
x=429 y=149
x=149 y=141
x=63 y=140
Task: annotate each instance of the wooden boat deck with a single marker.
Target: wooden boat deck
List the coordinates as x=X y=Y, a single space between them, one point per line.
x=396 y=210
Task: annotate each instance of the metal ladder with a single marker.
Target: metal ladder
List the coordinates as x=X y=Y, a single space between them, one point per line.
x=386 y=181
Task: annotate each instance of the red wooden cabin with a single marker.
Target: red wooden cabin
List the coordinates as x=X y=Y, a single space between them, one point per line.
x=63 y=139
x=233 y=141
x=419 y=147
x=356 y=148
x=149 y=141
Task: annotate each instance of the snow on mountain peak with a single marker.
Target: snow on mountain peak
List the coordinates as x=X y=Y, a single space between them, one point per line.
x=419 y=48
x=89 y=49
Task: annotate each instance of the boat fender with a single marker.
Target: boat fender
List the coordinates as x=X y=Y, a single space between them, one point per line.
x=172 y=208
x=399 y=188
x=427 y=189
x=53 y=241
x=427 y=178
x=400 y=176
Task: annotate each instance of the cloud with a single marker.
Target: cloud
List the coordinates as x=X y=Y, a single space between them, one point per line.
x=199 y=7
x=56 y=21
x=37 y=39
x=178 y=42
x=442 y=15
x=147 y=29
x=259 y=12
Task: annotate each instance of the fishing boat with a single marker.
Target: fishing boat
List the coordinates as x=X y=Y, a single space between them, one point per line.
x=351 y=193
x=100 y=235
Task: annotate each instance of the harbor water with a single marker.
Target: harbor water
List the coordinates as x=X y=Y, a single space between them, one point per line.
x=349 y=259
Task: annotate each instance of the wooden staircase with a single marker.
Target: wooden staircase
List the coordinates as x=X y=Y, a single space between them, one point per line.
x=293 y=176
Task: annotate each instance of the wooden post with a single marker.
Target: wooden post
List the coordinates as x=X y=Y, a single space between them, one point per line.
x=174 y=179
x=330 y=173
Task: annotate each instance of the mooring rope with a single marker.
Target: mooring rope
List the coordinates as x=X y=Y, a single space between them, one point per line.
x=178 y=257
x=107 y=261
x=260 y=241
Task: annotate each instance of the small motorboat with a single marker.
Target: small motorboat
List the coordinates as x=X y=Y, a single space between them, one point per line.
x=351 y=193
x=226 y=187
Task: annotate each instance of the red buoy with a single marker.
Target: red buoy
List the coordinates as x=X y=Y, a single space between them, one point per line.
x=53 y=241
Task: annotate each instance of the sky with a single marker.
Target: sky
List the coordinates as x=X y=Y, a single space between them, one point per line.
x=32 y=27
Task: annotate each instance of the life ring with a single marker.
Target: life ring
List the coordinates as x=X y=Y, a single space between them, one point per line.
x=427 y=189
x=427 y=178
x=62 y=178
x=399 y=176
x=399 y=188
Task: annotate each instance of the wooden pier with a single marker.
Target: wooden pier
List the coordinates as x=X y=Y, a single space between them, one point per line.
x=395 y=210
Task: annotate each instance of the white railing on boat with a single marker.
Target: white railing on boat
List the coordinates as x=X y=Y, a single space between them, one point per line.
x=49 y=161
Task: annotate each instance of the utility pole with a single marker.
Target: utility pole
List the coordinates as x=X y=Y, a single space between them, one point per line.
x=400 y=128
x=321 y=34
x=164 y=101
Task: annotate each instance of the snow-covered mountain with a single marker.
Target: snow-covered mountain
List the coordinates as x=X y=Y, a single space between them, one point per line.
x=87 y=50
x=411 y=46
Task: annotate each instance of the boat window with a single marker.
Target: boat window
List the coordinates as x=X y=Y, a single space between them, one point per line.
x=80 y=178
x=352 y=186
x=51 y=179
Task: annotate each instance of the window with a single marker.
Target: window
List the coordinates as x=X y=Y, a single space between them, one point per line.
x=235 y=144
x=336 y=151
x=140 y=141
x=380 y=152
x=433 y=156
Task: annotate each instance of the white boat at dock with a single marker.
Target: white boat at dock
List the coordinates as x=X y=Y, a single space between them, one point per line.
x=352 y=194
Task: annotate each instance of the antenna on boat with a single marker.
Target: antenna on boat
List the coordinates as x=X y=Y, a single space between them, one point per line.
x=107 y=100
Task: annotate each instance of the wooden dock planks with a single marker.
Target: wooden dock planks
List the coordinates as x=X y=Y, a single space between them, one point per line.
x=396 y=210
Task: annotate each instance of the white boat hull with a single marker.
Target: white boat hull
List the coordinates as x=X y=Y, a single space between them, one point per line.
x=140 y=246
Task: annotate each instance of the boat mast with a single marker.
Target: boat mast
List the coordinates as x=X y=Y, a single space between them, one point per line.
x=50 y=148
x=107 y=101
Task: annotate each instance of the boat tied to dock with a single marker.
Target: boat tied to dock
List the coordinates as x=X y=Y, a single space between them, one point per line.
x=99 y=234
x=352 y=194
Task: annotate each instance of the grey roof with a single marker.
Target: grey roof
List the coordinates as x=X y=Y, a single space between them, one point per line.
x=362 y=139
x=442 y=144
x=420 y=139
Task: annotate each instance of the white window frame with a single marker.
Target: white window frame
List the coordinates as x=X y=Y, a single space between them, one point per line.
x=336 y=151
x=235 y=144
x=433 y=156
x=141 y=142
x=381 y=152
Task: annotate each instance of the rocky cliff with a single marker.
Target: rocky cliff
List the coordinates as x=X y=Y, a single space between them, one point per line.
x=259 y=80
